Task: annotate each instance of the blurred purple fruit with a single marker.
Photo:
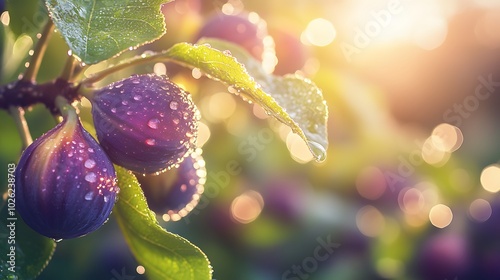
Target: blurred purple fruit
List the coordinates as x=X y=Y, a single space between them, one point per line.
x=145 y=123
x=444 y=256
x=285 y=198
x=65 y=183
x=176 y=192
x=245 y=30
x=290 y=52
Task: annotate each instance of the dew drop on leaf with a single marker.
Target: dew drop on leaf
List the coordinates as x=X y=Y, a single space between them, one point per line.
x=319 y=152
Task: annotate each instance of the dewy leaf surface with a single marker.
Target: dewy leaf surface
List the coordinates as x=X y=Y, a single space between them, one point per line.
x=96 y=30
x=292 y=99
x=164 y=255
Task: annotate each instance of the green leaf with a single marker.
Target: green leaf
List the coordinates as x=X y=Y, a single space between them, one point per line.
x=164 y=255
x=96 y=30
x=32 y=250
x=292 y=99
x=26 y=16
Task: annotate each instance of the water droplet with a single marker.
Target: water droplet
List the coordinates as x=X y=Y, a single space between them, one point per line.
x=89 y=163
x=176 y=121
x=90 y=150
x=89 y=196
x=91 y=177
x=106 y=198
x=150 y=142
x=318 y=151
x=135 y=81
x=57 y=240
x=113 y=110
x=104 y=170
x=174 y=105
x=118 y=85
x=124 y=102
x=129 y=113
x=153 y=123
x=227 y=52
x=137 y=97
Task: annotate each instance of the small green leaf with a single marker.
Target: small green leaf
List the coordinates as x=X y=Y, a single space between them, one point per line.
x=164 y=255
x=26 y=16
x=32 y=250
x=293 y=100
x=96 y=30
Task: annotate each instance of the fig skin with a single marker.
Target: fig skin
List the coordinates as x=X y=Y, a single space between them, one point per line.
x=65 y=183
x=174 y=193
x=145 y=123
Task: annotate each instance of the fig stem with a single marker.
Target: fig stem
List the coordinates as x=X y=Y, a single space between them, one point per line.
x=137 y=60
x=66 y=110
x=36 y=59
x=69 y=69
x=17 y=114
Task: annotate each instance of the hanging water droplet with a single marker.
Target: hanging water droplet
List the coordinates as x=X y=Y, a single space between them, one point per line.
x=113 y=110
x=153 y=123
x=174 y=105
x=125 y=102
x=89 y=163
x=137 y=98
x=57 y=240
x=318 y=151
x=89 y=196
x=150 y=142
x=91 y=177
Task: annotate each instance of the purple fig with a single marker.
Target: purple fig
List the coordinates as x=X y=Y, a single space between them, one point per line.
x=65 y=184
x=176 y=192
x=145 y=123
x=240 y=29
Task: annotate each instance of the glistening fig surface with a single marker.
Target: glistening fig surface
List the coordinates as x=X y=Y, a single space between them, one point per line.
x=66 y=185
x=145 y=123
x=176 y=192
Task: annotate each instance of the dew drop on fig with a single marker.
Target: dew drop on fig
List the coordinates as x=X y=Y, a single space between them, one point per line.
x=89 y=163
x=89 y=196
x=153 y=123
x=174 y=105
x=90 y=177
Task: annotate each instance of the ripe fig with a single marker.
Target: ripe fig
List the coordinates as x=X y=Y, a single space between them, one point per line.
x=145 y=123
x=241 y=29
x=65 y=183
x=176 y=192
